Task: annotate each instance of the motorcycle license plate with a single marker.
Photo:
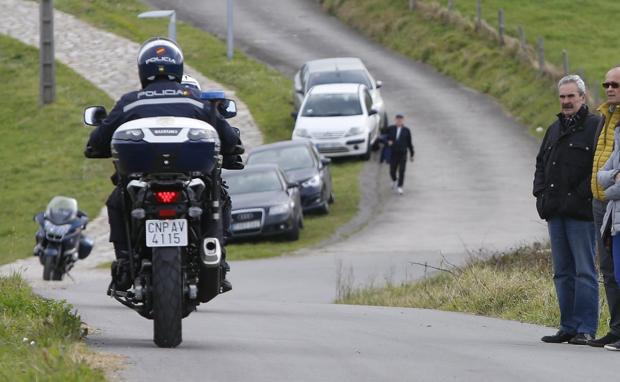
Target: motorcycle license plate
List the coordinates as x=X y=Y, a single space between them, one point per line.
x=166 y=233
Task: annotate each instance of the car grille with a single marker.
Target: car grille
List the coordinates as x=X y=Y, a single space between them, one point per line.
x=333 y=150
x=247 y=221
x=328 y=134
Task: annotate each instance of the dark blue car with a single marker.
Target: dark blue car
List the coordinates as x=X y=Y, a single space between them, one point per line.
x=302 y=164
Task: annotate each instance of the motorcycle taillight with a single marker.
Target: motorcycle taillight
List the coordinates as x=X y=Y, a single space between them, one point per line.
x=167 y=197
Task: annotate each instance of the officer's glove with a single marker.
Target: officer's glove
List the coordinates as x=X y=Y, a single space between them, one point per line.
x=233 y=162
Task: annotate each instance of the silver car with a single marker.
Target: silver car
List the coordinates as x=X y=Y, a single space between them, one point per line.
x=337 y=70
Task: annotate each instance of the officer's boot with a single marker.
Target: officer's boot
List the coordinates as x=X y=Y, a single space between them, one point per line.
x=121 y=278
x=226 y=285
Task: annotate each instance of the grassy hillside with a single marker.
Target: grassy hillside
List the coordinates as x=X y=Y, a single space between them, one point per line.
x=577 y=26
x=456 y=52
x=41 y=153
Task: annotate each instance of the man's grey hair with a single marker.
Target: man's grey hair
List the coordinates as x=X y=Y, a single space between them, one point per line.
x=574 y=79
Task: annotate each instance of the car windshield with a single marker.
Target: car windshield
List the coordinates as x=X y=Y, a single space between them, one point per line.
x=339 y=77
x=332 y=105
x=249 y=182
x=288 y=158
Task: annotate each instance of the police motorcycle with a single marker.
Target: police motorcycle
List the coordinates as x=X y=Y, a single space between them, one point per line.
x=169 y=170
x=59 y=239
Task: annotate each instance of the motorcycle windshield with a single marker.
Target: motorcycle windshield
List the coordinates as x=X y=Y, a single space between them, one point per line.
x=61 y=210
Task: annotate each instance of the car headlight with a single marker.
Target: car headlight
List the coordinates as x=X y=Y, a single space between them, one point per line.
x=315 y=181
x=302 y=133
x=354 y=131
x=129 y=135
x=279 y=209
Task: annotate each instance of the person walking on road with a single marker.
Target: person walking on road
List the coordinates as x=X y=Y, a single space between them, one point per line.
x=604 y=146
x=399 y=142
x=563 y=198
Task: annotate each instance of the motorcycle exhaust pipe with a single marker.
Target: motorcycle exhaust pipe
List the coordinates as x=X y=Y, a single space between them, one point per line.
x=211 y=252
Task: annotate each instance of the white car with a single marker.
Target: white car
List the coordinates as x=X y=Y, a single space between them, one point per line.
x=339 y=119
x=337 y=70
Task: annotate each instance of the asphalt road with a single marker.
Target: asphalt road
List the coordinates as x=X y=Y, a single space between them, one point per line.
x=469 y=188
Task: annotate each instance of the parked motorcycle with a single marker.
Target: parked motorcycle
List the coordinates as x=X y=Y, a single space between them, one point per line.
x=169 y=176
x=59 y=239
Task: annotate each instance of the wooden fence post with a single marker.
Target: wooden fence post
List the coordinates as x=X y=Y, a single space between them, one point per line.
x=541 y=55
x=521 y=33
x=565 y=61
x=478 y=14
x=500 y=16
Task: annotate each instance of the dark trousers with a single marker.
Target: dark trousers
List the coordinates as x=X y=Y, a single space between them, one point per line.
x=612 y=290
x=398 y=162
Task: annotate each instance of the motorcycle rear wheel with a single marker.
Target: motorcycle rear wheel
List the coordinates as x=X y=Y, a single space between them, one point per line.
x=167 y=295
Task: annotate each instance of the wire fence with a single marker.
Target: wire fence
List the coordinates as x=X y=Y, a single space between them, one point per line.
x=517 y=45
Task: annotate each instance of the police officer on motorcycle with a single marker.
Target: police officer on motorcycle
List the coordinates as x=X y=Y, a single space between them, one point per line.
x=160 y=67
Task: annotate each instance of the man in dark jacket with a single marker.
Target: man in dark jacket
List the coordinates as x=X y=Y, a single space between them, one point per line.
x=160 y=66
x=564 y=199
x=399 y=141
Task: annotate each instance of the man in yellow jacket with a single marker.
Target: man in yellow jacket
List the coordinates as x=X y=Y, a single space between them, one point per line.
x=610 y=111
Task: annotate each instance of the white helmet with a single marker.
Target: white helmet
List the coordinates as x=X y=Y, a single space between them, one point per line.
x=190 y=82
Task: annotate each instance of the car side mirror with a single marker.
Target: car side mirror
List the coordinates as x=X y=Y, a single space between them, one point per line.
x=94 y=115
x=372 y=111
x=325 y=161
x=290 y=185
x=379 y=84
x=294 y=114
x=227 y=108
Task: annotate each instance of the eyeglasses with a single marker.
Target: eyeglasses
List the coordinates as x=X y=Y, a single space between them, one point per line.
x=613 y=84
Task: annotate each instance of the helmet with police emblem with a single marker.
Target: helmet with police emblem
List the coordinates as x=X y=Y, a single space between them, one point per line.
x=160 y=57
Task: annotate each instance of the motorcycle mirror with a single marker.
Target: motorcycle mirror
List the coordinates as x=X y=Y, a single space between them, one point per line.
x=94 y=115
x=227 y=108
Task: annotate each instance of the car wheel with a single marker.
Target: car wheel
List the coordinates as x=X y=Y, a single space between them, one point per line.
x=324 y=209
x=293 y=234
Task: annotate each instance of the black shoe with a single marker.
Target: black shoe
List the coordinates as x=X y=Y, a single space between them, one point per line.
x=558 y=338
x=608 y=338
x=615 y=346
x=226 y=286
x=581 y=339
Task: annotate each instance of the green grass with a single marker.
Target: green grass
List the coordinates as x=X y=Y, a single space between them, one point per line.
x=41 y=152
x=38 y=337
x=456 y=52
x=579 y=27
x=514 y=286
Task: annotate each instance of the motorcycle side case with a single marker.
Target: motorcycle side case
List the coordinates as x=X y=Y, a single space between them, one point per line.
x=86 y=246
x=163 y=145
